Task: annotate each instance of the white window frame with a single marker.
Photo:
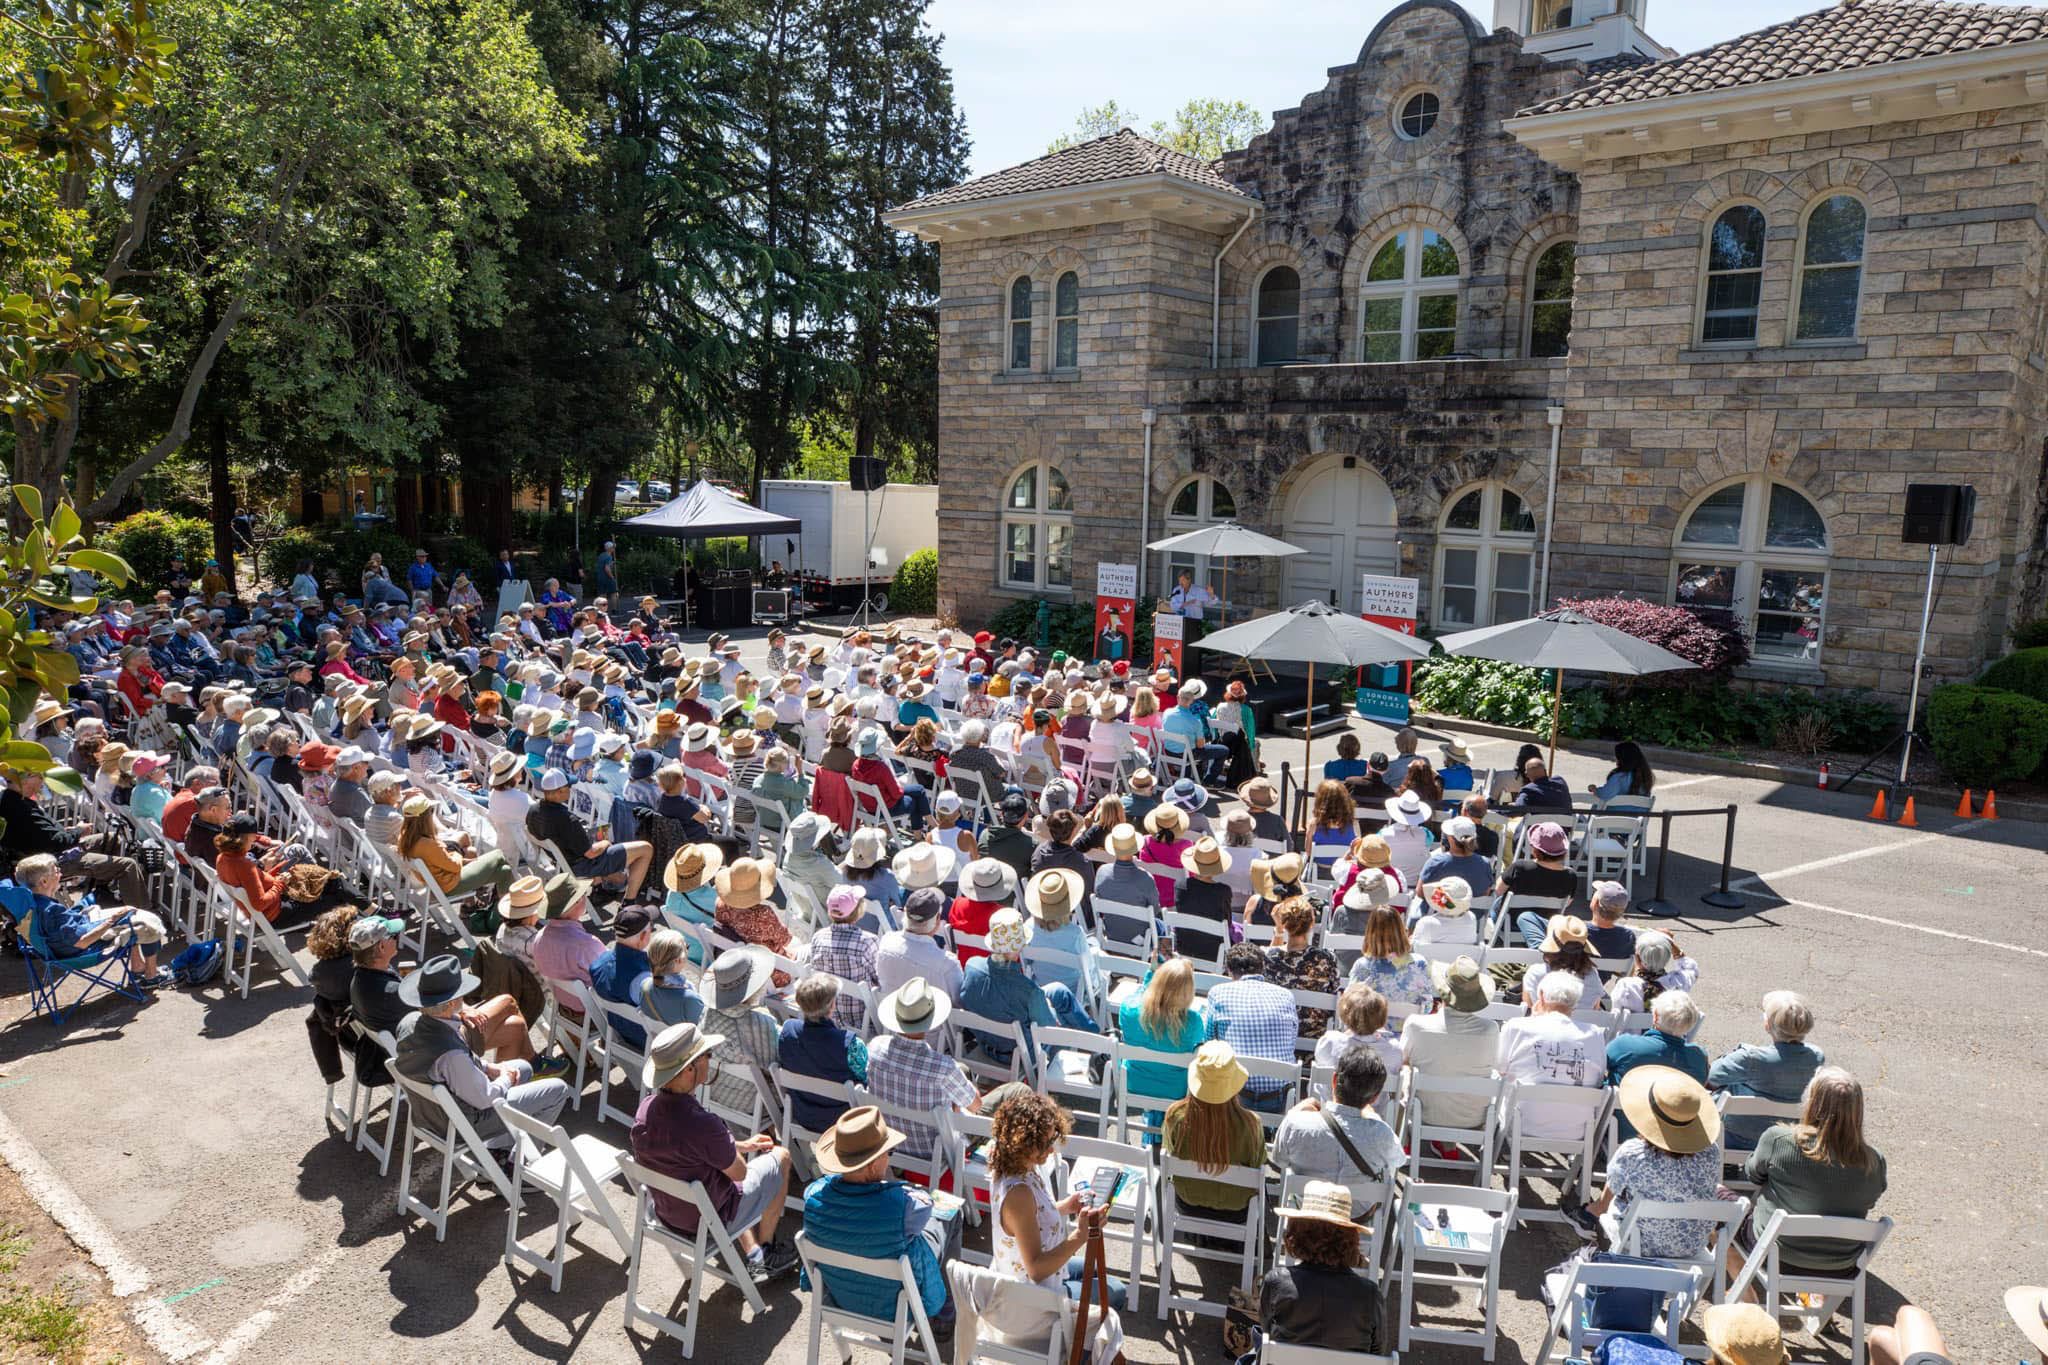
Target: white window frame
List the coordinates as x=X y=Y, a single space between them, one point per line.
x=1486 y=544
x=1752 y=559
x=1569 y=302
x=1800 y=268
x=1410 y=289
x=1699 y=324
x=1011 y=322
x=1062 y=321
x=1170 y=563
x=1259 y=318
x=1400 y=108
x=1041 y=519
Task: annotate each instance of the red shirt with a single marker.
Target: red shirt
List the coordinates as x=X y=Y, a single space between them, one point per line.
x=141 y=688
x=178 y=813
x=879 y=775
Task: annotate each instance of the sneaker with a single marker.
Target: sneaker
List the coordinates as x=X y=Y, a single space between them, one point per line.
x=552 y=1067
x=778 y=1258
x=156 y=981
x=1583 y=1221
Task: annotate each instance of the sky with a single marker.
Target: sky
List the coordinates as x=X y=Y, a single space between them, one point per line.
x=1023 y=71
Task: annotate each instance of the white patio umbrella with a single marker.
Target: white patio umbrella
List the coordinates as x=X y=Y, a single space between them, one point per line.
x=1564 y=639
x=1222 y=541
x=1317 y=633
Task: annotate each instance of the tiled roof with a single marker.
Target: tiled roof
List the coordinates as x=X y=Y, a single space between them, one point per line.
x=1600 y=68
x=1844 y=37
x=1118 y=156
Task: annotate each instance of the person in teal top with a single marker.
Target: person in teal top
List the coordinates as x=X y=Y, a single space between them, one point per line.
x=146 y=801
x=692 y=895
x=1162 y=1016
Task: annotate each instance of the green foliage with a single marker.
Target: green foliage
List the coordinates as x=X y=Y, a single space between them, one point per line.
x=282 y=554
x=1070 y=628
x=1503 y=694
x=722 y=552
x=341 y=554
x=647 y=565
x=147 y=541
x=2030 y=634
x=2024 y=671
x=1984 y=735
x=1205 y=128
x=35 y=571
x=916 y=585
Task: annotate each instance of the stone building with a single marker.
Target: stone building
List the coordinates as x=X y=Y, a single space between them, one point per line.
x=1542 y=312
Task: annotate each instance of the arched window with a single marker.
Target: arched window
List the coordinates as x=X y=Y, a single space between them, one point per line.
x=1020 y=323
x=1066 y=322
x=1486 y=558
x=1759 y=549
x=1408 y=306
x=1200 y=501
x=1550 y=300
x=1830 y=269
x=1038 y=530
x=1278 y=328
x=1735 y=276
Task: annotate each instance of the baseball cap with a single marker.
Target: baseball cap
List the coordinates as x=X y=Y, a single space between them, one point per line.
x=949 y=802
x=925 y=904
x=1460 y=828
x=553 y=780
x=632 y=920
x=1015 y=807
x=352 y=755
x=371 y=930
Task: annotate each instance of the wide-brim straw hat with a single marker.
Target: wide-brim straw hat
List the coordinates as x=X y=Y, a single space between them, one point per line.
x=1282 y=869
x=504 y=763
x=1123 y=841
x=1743 y=1334
x=1670 y=1109
x=1052 y=895
x=527 y=896
x=2028 y=1304
x=1166 y=817
x=698 y=738
x=923 y=865
x=693 y=866
x=1259 y=793
x=672 y=1049
x=1564 y=929
x=855 y=1140
x=1205 y=858
x=1142 y=781
x=1455 y=751
x=914 y=1007
x=1215 y=1076
x=1077 y=704
x=1322 y=1201
x=988 y=880
x=747 y=883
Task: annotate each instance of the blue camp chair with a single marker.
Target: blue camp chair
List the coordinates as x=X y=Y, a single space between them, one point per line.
x=104 y=967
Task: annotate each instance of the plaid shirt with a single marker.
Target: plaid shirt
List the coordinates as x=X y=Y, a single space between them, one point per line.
x=1257 y=1019
x=847 y=952
x=908 y=1074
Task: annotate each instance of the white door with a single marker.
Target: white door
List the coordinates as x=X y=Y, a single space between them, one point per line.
x=1343 y=519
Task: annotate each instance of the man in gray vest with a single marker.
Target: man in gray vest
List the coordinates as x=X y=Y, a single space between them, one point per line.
x=432 y=1051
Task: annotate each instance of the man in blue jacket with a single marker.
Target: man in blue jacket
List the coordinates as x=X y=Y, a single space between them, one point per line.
x=858 y=1209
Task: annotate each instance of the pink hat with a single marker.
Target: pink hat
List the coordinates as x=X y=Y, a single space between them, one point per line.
x=843 y=903
x=1549 y=840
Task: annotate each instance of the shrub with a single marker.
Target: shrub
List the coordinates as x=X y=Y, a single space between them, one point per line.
x=147 y=541
x=916 y=585
x=1984 y=735
x=2024 y=671
x=282 y=554
x=338 y=555
x=2030 y=634
x=1483 y=689
x=1711 y=639
x=648 y=566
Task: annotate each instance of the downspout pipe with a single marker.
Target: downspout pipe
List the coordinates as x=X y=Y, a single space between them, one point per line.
x=1216 y=291
x=1555 y=412
x=1150 y=417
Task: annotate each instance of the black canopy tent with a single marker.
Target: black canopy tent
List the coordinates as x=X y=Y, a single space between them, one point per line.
x=707 y=512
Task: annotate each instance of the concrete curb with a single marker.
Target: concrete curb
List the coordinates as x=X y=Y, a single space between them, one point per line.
x=1687 y=759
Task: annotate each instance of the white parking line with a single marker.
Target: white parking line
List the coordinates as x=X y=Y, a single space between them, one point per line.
x=1855 y=855
x=1688 y=782
x=256 y=1324
x=166 y=1331
x=1894 y=923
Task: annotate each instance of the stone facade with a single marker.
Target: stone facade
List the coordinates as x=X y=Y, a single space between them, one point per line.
x=1942 y=380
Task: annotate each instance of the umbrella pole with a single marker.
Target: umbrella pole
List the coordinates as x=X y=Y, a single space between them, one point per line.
x=1308 y=734
x=1556 y=704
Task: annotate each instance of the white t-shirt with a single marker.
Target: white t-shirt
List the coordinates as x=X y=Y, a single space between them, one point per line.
x=1552 y=1049
x=1435 y=928
x=1627 y=992
x=508 y=807
x=1595 y=988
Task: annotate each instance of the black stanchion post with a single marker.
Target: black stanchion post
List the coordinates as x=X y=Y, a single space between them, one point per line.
x=1657 y=905
x=1721 y=897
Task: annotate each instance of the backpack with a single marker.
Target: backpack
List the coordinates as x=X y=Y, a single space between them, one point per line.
x=198 y=964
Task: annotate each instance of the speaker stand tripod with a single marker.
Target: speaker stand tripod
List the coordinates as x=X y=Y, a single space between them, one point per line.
x=861 y=615
x=1905 y=735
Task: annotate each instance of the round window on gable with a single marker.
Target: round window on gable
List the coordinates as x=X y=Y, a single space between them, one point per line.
x=1418 y=114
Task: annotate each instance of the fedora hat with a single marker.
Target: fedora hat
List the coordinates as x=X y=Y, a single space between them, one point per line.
x=1456 y=752
x=1564 y=929
x=1464 y=988
x=667 y=720
x=855 y=1140
x=1322 y=1201
x=1122 y=842
x=988 y=880
x=747 y=882
x=1408 y=808
x=1077 y=704
x=698 y=738
x=564 y=889
x=923 y=865
x=1259 y=794
x=742 y=744
x=504 y=763
x=525 y=897
x=2028 y=1304
x=738 y=975
x=1215 y=1075
x=914 y=1007
x=868 y=846
x=442 y=979
x=1205 y=858
x=1051 y=895
x=672 y=1049
x=1142 y=781
x=1165 y=818
x=1670 y=1109
x=1743 y=1333
x=1368 y=890
x=1267 y=874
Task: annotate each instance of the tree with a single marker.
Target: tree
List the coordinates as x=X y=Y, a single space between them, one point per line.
x=1205 y=128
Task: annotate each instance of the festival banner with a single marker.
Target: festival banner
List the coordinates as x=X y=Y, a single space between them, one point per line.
x=1166 y=638
x=1383 y=688
x=1116 y=610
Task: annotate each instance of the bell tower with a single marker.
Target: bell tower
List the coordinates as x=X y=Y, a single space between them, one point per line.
x=1583 y=30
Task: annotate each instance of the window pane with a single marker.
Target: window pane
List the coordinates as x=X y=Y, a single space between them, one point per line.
x=1390 y=263
x=1279 y=293
x=1066 y=344
x=1788 y=613
x=1834 y=232
x=1460 y=606
x=1511 y=572
x=1418 y=114
x=1465 y=513
x=1461 y=568
x=1436 y=311
x=1515 y=519
x=1706 y=585
x=1020 y=345
x=1718 y=520
x=1020 y=299
x=1024 y=492
x=1020 y=564
x=1382 y=348
x=1279 y=340
x=1057 y=499
x=1550 y=329
x=1383 y=315
x=1067 y=296
x=1187 y=502
x=1509 y=606
x=1553 y=278
x=1737 y=242
x=1827 y=301
x=1439 y=258
x=1434 y=345
x=1794 y=523
x=1059 y=556
x=1221 y=505
x=1731 y=306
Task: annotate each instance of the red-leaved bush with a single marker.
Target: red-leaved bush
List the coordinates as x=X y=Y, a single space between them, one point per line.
x=1712 y=639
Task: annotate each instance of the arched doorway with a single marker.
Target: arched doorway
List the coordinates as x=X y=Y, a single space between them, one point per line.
x=1342 y=516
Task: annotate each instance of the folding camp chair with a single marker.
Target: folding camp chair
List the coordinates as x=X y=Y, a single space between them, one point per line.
x=575 y=1172
x=104 y=969
x=710 y=1251
x=462 y=1150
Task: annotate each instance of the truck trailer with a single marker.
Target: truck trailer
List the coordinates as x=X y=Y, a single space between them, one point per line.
x=839 y=532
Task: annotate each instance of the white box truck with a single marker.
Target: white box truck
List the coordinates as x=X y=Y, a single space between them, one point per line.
x=899 y=519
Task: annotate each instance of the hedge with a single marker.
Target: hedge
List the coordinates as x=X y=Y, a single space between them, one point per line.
x=1986 y=735
x=1069 y=629
x=2025 y=671
x=147 y=541
x=916 y=585
x=2028 y=634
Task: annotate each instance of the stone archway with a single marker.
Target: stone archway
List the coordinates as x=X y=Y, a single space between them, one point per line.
x=1343 y=517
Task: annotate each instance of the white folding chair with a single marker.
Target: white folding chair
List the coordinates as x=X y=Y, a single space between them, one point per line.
x=443 y=911
x=1724 y=1214
x=1775 y=1281
x=1613 y=847
x=462 y=1151
x=1284 y=1353
x=1128 y=1101
x=1486 y=1216
x=976 y=1061
x=796 y=1135
x=574 y=1032
x=1180 y=925
x=1584 y=1106
x=1135 y=1207
x=572 y=1171
x=908 y=1335
x=1062 y=1059
x=1417 y=1133
x=363 y=1104
x=1747 y=1107
x=249 y=931
x=1145 y=945
x=1266 y=1068
x=1679 y=1286
x=711 y=1251
x=1248 y=1236
x=870 y=811
x=945 y=1154
x=1510 y=905
x=608 y=1015
x=1373 y=1208
x=971 y=1283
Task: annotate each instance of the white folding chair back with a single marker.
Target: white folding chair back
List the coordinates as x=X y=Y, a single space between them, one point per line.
x=907 y=1336
x=253 y=932
x=1774 y=1281
x=976 y=1061
x=1748 y=1107
x=1373 y=1208
x=1417 y=1134
x=1266 y=1068
x=966 y=1282
x=1181 y=925
x=363 y=1105
x=573 y=1031
x=574 y=1172
x=1725 y=1215
x=1145 y=946
x=1680 y=1287
x=1061 y=1060
x=462 y=1151
x=630 y=1057
x=1247 y=1236
x=1283 y=1353
x=1131 y=1102
x=1487 y=1215
x=1587 y=1106
x=711 y=1251
x=1138 y=1215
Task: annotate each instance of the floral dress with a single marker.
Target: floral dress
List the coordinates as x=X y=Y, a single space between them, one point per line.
x=758 y=924
x=1405 y=981
x=1308 y=969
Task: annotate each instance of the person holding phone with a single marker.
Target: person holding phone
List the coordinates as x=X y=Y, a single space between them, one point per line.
x=1031 y=1237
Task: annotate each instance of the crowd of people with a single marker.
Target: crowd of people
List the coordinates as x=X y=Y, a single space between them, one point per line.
x=806 y=866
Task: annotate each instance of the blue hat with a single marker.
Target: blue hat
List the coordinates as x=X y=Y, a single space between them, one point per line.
x=643 y=765
x=973 y=678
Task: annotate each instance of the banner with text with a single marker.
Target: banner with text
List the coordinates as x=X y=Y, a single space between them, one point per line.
x=1383 y=688
x=1116 y=610
x=1166 y=638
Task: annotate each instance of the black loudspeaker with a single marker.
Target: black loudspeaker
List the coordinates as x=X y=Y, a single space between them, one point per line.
x=866 y=473
x=1939 y=513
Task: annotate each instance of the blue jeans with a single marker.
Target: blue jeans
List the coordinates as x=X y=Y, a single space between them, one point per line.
x=1271 y=1102
x=1072 y=1277
x=1209 y=759
x=915 y=805
x=1533 y=926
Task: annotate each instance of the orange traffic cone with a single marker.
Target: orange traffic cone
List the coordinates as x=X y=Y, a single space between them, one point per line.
x=1990 y=805
x=1907 y=819
x=1877 y=806
x=1963 y=811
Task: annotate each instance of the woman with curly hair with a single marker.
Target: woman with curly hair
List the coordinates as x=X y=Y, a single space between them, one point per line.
x=334 y=971
x=1321 y=1296
x=1292 y=962
x=1031 y=1240
x=488 y=723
